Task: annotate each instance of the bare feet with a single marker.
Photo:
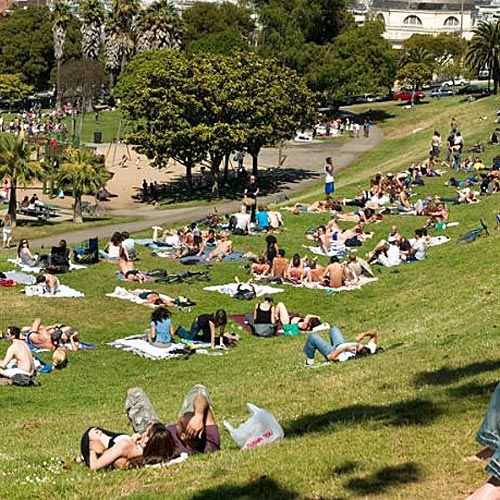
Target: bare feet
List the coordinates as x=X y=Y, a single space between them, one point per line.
x=489 y=491
x=480 y=456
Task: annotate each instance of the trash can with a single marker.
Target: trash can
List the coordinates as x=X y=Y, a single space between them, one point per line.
x=97 y=137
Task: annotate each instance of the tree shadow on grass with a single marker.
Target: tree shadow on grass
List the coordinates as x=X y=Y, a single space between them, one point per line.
x=446 y=375
x=263 y=487
x=345 y=468
x=402 y=413
x=385 y=478
x=472 y=390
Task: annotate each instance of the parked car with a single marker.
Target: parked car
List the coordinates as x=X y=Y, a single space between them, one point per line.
x=442 y=92
x=457 y=81
x=474 y=89
x=374 y=98
x=484 y=74
x=406 y=95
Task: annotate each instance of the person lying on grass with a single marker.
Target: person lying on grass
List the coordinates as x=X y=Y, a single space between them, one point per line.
x=195 y=430
x=204 y=328
x=51 y=336
x=128 y=270
x=489 y=437
x=339 y=349
x=161 y=329
x=101 y=448
x=267 y=317
x=49 y=282
x=18 y=358
x=151 y=297
x=223 y=248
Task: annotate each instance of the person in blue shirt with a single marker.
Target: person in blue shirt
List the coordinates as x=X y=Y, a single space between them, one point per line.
x=161 y=329
x=262 y=218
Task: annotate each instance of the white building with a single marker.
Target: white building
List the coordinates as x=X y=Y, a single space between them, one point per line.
x=404 y=18
x=489 y=12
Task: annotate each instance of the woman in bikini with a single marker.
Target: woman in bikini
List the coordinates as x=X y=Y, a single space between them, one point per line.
x=295 y=271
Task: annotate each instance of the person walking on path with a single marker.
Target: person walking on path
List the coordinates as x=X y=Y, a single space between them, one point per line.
x=329 y=180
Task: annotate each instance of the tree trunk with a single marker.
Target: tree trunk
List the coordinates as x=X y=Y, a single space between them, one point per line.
x=214 y=167
x=58 y=85
x=189 y=176
x=226 y=166
x=255 y=162
x=77 y=210
x=13 y=201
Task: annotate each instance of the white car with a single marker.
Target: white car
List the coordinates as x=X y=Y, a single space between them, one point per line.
x=303 y=137
x=457 y=81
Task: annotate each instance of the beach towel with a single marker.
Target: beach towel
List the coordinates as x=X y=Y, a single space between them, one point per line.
x=339 y=250
x=20 y=277
x=37 y=270
x=4 y=283
x=231 y=289
x=64 y=291
x=232 y=257
x=122 y=293
x=137 y=345
x=363 y=280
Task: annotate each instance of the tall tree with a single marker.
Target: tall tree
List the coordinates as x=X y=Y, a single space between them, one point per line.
x=17 y=166
x=84 y=173
x=120 y=39
x=92 y=16
x=159 y=26
x=13 y=88
x=61 y=16
x=484 y=51
x=416 y=67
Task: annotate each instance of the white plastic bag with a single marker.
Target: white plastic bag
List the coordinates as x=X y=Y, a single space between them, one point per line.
x=261 y=428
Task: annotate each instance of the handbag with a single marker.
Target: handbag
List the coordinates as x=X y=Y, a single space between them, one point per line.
x=249 y=202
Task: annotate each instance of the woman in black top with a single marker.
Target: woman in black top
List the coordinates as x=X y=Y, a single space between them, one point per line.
x=204 y=327
x=252 y=191
x=271 y=249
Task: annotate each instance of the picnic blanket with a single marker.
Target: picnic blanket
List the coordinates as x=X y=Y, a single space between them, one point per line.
x=124 y=294
x=64 y=291
x=36 y=270
x=231 y=289
x=339 y=250
x=234 y=256
x=20 y=277
x=363 y=280
x=137 y=345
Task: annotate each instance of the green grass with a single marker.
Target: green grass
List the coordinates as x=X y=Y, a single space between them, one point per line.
x=395 y=425
x=108 y=124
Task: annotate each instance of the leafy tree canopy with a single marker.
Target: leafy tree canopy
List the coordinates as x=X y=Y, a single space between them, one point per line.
x=27 y=45
x=13 y=88
x=224 y=42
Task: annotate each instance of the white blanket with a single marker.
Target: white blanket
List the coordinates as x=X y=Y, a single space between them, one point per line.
x=337 y=250
x=63 y=291
x=363 y=280
x=122 y=293
x=36 y=270
x=231 y=289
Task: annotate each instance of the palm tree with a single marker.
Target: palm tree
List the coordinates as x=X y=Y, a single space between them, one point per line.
x=17 y=166
x=159 y=26
x=416 y=55
x=61 y=16
x=92 y=14
x=120 y=40
x=484 y=51
x=83 y=172
x=416 y=67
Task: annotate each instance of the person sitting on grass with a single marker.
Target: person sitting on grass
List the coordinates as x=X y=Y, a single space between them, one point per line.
x=489 y=437
x=18 y=358
x=441 y=214
x=419 y=247
x=128 y=270
x=275 y=220
x=267 y=317
x=262 y=219
x=295 y=271
x=24 y=255
x=260 y=268
x=339 y=349
x=194 y=246
x=49 y=282
x=195 y=430
x=161 y=329
x=334 y=275
x=224 y=248
x=113 y=249
x=102 y=449
x=241 y=222
x=203 y=328
x=315 y=272
x=128 y=244
x=279 y=265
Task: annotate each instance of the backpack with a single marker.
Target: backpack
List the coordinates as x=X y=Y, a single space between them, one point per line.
x=244 y=293
x=23 y=380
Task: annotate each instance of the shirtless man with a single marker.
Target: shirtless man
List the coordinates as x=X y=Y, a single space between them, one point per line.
x=18 y=352
x=324 y=238
x=260 y=268
x=50 y=282
x=280 y=265
x=128 y=270
x=333 y=276
x=224 y=247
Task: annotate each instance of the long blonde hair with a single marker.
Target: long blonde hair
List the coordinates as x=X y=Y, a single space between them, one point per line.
x=6 y=219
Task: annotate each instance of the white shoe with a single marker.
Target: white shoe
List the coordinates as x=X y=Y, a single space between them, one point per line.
x=309 y=362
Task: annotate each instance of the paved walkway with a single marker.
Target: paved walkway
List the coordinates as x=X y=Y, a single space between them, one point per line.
x=308 y=157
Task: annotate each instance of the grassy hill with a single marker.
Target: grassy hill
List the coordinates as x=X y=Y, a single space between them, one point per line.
x=396 y=425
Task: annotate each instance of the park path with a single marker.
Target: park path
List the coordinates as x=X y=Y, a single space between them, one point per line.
x=309 y=157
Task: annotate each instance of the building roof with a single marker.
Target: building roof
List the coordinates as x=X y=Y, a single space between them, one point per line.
x=445 y=5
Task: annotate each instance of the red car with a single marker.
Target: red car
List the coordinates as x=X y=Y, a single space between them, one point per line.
x=406 y=95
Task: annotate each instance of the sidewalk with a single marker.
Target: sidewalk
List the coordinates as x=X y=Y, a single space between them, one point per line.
x=306 y=156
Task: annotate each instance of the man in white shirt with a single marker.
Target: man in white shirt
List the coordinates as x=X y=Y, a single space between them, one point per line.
x=419 y=247
x=242 y=225
x=339 y=349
